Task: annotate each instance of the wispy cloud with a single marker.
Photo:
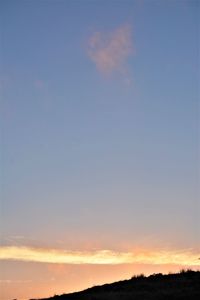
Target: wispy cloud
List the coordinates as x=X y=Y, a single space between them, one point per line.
x=4 y=81
x=108 y=257
x=110 y=50
x=39 y=84
x=14 y=281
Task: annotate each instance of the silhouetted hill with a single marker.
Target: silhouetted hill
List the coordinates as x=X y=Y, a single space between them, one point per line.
x=184 y=285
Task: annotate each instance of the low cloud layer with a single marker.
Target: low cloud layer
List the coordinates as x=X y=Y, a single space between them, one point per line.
x=110 y=50
x=185 y=258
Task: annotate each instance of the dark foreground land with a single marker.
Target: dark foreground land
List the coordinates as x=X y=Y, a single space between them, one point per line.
x=184 y=285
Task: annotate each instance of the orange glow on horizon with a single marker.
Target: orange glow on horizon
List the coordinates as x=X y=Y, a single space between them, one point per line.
x=100 y=257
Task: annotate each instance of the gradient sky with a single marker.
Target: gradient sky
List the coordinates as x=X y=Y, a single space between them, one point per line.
x=99 y=142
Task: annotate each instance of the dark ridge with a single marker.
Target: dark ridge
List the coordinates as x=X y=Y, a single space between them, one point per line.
x=184 y=285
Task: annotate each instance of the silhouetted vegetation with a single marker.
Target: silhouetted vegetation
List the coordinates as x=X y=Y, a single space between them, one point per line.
x=184 y=285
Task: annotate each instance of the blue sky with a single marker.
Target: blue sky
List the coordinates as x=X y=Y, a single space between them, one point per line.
x=72 y=136
x=99 y=145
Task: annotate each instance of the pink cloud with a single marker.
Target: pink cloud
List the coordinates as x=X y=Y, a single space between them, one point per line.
x=109 y=51
x=39 y=84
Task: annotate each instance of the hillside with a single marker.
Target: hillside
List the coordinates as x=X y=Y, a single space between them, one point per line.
x=184 y=285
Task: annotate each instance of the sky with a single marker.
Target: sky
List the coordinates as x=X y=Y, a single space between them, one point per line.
x=99 y=123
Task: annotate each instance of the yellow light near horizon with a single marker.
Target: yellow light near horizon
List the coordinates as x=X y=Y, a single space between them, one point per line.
x=108 y=257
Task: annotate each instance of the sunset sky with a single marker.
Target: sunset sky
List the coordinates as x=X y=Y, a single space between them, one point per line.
x=99 y=142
